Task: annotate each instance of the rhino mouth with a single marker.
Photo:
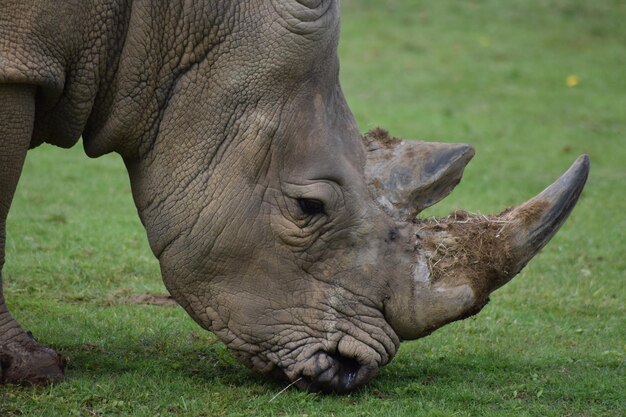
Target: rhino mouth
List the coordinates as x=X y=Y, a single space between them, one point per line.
x=331 y=372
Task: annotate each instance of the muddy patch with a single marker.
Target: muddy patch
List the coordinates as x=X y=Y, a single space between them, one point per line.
x=531 y=213
x=468 y=248
x=152 y=299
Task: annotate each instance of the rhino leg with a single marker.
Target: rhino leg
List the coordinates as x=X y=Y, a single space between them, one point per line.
x=22 y=359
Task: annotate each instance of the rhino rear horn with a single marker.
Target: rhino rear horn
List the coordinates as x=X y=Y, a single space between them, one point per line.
x=408 y=176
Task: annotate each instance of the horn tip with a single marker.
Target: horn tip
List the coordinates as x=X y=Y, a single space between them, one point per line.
x=578 y=172
x=583 y=162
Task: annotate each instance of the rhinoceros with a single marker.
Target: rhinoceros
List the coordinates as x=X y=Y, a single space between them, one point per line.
x=278 y=226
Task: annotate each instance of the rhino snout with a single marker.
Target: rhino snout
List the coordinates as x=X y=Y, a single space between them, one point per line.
x=335 y=371
x=462 y=258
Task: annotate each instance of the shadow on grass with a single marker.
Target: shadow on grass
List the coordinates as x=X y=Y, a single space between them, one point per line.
x=156 y=349
x=209 y=365
x=212 y=364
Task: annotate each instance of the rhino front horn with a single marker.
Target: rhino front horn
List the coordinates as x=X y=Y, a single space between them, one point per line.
x=535 y=222
x=462 y=258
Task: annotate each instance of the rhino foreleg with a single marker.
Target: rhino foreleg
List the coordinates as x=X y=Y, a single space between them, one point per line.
x=22 y=359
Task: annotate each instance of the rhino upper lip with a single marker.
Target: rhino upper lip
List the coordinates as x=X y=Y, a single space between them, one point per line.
x=342 y=374
x=332 y=373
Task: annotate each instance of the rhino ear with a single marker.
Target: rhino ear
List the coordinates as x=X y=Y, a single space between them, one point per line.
x=408 y=176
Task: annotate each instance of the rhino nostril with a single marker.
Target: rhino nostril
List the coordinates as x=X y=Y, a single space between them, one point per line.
x=348 y=371
x=340 y=374
x=330 y=372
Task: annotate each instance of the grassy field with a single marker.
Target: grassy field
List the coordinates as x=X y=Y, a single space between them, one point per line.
x=531 y=84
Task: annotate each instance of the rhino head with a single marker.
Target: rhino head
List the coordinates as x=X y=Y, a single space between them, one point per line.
x=292 y=237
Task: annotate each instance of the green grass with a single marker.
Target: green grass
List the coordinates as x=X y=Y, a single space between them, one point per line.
x=489 y=73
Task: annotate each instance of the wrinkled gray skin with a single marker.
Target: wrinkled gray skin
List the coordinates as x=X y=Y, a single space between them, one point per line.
x=276 y=225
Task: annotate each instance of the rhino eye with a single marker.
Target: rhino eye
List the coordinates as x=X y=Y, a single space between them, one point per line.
x=310 y=206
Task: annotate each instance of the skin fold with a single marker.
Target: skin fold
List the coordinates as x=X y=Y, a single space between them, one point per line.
x=277 y=225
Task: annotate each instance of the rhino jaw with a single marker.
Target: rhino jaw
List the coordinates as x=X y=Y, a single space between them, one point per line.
x=462 y=258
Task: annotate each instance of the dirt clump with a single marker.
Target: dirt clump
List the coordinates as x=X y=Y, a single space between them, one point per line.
x=381 y=136
x=152 y=299
x=466 y=248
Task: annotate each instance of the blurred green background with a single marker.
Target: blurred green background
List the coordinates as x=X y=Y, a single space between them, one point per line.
x=530 y=84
